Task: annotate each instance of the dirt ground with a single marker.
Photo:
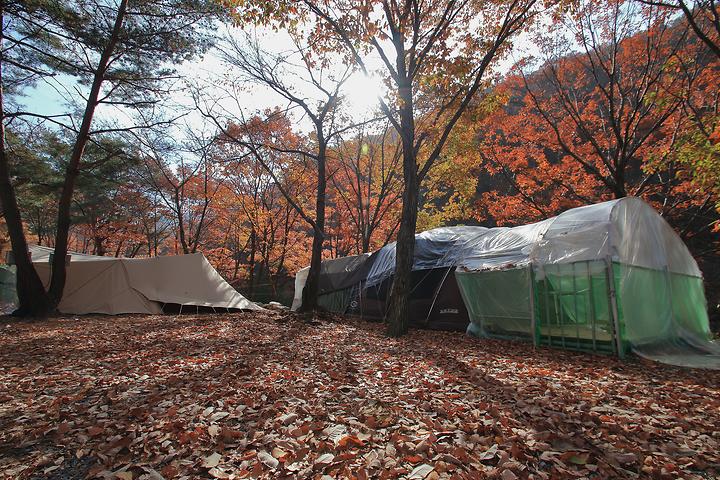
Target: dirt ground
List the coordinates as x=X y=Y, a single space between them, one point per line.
x=266 y=395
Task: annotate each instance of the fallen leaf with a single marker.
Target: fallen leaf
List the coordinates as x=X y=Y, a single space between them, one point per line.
x=420 y=472
x=212 y=460
x=267 y=459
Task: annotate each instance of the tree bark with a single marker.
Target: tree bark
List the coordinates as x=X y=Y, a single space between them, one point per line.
x=57 y=282
x=99 y=246
x=33 y=300
x=312 y=285
x=397 y=321
x=251 y=274
x=397 y=316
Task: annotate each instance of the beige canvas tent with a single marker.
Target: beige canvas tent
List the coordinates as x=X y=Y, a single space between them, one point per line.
x=139 y=285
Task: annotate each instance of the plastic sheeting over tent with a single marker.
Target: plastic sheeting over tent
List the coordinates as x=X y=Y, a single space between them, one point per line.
x=608 y=277
x=626 y=230
x=139 y=285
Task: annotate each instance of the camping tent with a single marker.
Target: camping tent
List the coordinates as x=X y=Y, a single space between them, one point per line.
x=338 y=279
x=139 y=285
x=435 y=301
x=610 y=277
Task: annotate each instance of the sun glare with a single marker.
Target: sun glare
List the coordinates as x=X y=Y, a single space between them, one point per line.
x=363 y=93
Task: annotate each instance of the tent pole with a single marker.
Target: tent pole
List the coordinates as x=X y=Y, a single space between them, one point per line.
x=591 y=300
x=575 y=304
x=613 y=306
x=668 y=279
x=437 y=292
x=546 y=292
x=533 y=320
x=558 y=305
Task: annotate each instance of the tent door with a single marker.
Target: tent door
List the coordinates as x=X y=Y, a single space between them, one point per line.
x=574 y=308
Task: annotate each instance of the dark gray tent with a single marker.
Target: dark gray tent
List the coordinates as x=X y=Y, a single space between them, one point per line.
x=435 y=301
x=339 y=279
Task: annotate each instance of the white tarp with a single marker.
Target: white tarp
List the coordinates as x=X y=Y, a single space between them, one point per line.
x=139 y=285
x=300 y=280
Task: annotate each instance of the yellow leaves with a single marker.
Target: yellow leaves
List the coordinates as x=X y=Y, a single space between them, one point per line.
x=280 y=454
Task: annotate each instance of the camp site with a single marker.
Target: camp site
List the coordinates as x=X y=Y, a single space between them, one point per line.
x=377 y=239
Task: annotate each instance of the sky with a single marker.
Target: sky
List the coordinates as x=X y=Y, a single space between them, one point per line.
x=212 y=73
x=361 y=92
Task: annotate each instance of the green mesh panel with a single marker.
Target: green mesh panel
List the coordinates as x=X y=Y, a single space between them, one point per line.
x=673 y=327
x=689 y=305
x=661 y=315
x=658 y=306
x=498 y=302
x=573 y=308
x=644 y=304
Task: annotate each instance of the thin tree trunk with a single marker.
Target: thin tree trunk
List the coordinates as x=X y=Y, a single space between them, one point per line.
x=181 y=222
x=33 y=300
x=118 y=249
x=99 y=246
x=57 y=283
x=253 y=249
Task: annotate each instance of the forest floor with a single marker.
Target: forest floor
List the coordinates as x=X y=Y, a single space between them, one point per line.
x=267 y=395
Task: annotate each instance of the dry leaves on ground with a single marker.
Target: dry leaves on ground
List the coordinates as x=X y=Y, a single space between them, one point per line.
x=264 y=395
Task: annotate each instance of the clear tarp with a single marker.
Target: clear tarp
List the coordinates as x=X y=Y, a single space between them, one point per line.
x=626 y=230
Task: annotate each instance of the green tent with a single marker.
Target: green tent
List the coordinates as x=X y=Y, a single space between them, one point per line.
x=611 y=277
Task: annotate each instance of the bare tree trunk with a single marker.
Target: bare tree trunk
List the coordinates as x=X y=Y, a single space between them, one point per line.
x=253 y=249
x=397 y=317
x=397 y=321
x=32 y=297
x=99 y=246
x=312 y=285
x=57 y=282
